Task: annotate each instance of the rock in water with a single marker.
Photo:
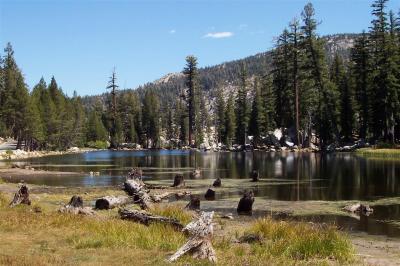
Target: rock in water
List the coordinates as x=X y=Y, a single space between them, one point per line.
x=245 y=205
x=217 y=182
x=255 y=176
x=359 y=208
x=195 y=174
x=179 y=181
x=210 y=194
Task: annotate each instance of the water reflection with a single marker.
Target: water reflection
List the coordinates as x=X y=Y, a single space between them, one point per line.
x=313 y=176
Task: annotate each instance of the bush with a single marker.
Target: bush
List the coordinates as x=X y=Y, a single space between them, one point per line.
x=98 y=144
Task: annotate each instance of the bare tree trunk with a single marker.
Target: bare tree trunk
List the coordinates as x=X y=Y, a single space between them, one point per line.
x=199 y=243
x=139 y=193
x=110 y=202
x=179 y=181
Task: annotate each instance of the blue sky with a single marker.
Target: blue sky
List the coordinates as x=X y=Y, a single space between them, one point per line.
x=80 y=42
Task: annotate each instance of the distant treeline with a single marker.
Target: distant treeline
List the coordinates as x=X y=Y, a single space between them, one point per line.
x=340 y=99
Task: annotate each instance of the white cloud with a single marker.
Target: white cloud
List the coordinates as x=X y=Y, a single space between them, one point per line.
x=218 y=35
x=173 y=31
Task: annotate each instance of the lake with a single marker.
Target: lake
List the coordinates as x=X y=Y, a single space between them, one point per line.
x=289 y=176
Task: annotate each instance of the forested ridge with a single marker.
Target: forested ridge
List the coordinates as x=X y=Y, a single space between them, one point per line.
x=338 y=88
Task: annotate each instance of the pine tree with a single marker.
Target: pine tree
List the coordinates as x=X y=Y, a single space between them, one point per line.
x=360 y=72
x=269 y=103
x=191 y=73
x=114 y=127
x=230 y=122
x=220 y=115
x=257 y=119
x=242 y=108
x=151 y=119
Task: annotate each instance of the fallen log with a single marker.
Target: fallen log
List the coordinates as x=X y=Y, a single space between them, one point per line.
x=199 y=244
x=110 y=202
x=75 y=206
x=161 y=197
x=146 y=218
x=179 y=181
x=181 y=195
x=255 y=176
x=194 y=203
x=245 y=205
x=138 y=190
x=21 y=196
x=217 y=182
x=359 y=208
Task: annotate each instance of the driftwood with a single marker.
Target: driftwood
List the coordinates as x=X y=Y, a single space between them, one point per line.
x=255 y=176
x=110 y=202
x=160 y=197
x=179 y=181
x=199 y=243
x=194 y=203
x=359 y=208
x=195 y=173
x=75 y=206
x=210 y=194
x=147 y=218
x=137 y=189
x=245 y=205
x=181 y=195
x=217 y=182
x=21 y=196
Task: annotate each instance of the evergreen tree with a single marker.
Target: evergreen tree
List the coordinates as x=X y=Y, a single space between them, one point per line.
x=191 y=73
x=257 y=118
x=114 y=124
x=242 y=109
x=230 y=122
x=151 y=119
x=220 y=115
x=269 y=103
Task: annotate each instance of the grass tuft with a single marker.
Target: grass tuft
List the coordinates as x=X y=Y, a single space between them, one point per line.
x=385 y=153
x=301 y=241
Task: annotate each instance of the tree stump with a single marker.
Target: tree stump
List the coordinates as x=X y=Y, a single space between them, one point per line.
x=199 y=244
x=217 y=182
x=146 y=218
x=245 y=205
x=195 y=174
x=75 y=206
x=194 y=203
x=255 y=176
x=210 y=194
x=21 y=196
x=110 y=202
x=137 y=189
x=179 y=181
x=135 y=173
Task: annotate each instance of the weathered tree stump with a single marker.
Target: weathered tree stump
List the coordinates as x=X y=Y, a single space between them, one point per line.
x=21 y=196
x=255 y=176
x=217 y=182
x=146 y=218
x=75 y=206
x=199 y=244
x=135 y=173
x=138 y=190
x=210 y=194
x=195 y=173
x=179 y=181
x=245 y=205
x=194 y=203
x=110 y=202
x=359 y=208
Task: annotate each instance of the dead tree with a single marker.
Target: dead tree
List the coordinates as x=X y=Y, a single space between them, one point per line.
x=139 y=193
x=75 y=206
x=110 y=202
x=255 y=176
x=21 y=196
x=210 y=194
x=179 y=181
x=194 y=203
x=217 y=182
x=146 y=218
x=245 y=205
x=199 y=244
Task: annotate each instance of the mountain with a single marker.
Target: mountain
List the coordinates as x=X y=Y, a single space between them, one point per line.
x=226 y=75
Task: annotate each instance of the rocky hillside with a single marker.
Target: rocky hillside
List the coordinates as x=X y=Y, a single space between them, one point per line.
x=226 y=74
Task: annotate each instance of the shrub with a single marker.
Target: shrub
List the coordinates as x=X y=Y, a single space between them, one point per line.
x=98 y=144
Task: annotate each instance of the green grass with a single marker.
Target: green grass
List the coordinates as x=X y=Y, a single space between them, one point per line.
x=98 y=144
x=384 y=153
x=301 y=241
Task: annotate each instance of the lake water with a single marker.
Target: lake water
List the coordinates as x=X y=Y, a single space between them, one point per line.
x=292 y=176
